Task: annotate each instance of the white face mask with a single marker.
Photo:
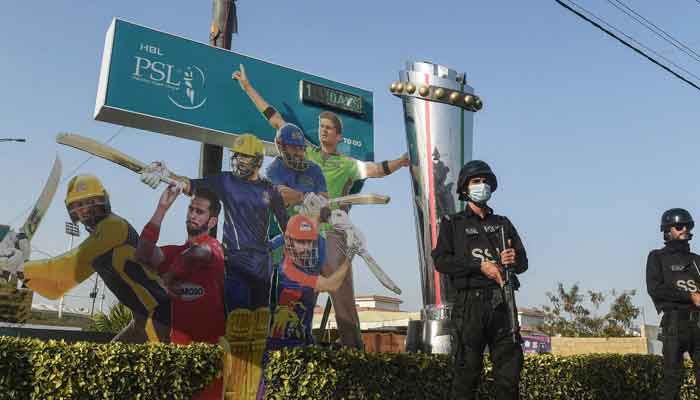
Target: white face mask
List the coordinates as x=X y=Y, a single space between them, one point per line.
x=480 y=193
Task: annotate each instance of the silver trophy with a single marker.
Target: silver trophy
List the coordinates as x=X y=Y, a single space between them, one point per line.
x=439 y=110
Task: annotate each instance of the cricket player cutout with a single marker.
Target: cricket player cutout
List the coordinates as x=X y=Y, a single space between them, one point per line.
x=248 y=202
x=192 y=272
x=341 y=173
x=110 y=251
x=293 y=175
x=297 y=280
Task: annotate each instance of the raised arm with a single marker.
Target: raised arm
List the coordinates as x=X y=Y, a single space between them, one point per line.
x=273 y=116
x=147 y=253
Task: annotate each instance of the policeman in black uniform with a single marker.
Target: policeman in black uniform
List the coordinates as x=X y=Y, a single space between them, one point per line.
x=471 y=253
x=673 y=280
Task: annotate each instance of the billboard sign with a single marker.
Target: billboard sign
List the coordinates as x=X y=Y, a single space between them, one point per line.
x=164 y=83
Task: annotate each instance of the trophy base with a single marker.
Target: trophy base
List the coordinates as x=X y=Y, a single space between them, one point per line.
x=433 y=333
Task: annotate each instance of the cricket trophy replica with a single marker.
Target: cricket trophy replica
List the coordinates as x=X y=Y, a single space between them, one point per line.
x=439 y=112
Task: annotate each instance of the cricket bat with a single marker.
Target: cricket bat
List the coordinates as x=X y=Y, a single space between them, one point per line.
x=44 y=201
x=379 y=272
x=99 y=149
x=360 y=198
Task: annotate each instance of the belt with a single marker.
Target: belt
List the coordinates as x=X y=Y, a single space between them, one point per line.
x=683 y=315
x=486 y=293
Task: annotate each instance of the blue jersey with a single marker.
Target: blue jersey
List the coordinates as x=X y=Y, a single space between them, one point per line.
x=247 y=206
x=293 y=302
x=310 y=180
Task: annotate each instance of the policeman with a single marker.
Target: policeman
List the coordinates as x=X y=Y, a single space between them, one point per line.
x=672 y=282
x=471 y=253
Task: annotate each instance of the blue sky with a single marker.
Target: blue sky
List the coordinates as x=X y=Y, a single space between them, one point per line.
x=590 y=142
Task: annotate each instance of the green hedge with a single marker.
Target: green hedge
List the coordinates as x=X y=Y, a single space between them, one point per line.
x=32 y=369
x=314 y=373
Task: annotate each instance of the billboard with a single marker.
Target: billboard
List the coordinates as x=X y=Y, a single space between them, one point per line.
x=164 y=83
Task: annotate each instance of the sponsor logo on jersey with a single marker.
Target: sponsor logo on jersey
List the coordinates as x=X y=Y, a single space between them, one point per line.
x=190 y=291
x=306 y=180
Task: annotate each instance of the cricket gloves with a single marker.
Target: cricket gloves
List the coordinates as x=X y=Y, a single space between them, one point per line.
x=355 y=241
x=312 y=205
x=14 y=251
x=154 y=173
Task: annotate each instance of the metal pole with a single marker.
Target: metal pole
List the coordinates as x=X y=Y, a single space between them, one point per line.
x=102 y=299
x=224 y=24
x=61 y=301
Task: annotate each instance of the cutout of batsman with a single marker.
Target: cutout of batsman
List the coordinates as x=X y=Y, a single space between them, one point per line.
x=296 y=282
x=248 y=200
x=193 y=273
x=296 y=178
x=341 y=173
x=110 y=250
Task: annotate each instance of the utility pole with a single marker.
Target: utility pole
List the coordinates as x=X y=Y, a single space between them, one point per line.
x=223 y=25
x=73 y=231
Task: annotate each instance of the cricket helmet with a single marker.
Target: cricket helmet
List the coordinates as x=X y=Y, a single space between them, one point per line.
x=291 y=135
x=304 y=255
x=83 y=187
x=247 y=155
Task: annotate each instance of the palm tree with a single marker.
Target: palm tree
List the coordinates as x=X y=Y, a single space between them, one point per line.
x=118 y=318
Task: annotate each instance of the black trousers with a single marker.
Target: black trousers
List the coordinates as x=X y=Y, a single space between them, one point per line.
x=680 y=335
x=481 y=319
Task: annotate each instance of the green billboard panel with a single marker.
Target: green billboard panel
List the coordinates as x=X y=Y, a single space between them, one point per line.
x=168 y=84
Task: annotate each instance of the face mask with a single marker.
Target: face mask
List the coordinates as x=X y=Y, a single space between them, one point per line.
x=480 y=193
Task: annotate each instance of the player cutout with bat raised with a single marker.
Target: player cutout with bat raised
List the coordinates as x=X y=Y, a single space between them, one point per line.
x=341 y=173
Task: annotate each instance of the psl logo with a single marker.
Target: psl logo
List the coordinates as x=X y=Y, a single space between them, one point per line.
x=185 y=85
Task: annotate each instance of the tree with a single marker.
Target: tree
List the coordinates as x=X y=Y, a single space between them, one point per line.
x=568 y=315
x=118 y=318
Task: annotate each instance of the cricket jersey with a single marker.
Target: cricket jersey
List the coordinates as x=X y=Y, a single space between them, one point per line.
x=293 y=310
x=248 y=206
x=197 y=301
x=197 y=296
x=109 y=251
x=309 y=181
x=340 y=171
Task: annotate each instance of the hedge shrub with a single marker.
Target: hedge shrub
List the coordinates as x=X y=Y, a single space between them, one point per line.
x=315 y=373
x=32 y=369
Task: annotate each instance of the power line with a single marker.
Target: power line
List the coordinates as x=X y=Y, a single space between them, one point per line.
x=619 y=39
x=654 y=28
x=70 y=175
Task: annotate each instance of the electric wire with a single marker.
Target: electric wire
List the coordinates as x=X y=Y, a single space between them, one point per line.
x=654 y=28
x=624 y=42
x=70 y=174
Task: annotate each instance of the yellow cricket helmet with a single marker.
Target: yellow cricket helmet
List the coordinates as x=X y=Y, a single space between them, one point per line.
x=247 y=144
x=85 y=186
x=247 y=155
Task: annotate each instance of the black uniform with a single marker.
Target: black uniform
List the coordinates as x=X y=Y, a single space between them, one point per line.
x=480 y=313
x=672 y=277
